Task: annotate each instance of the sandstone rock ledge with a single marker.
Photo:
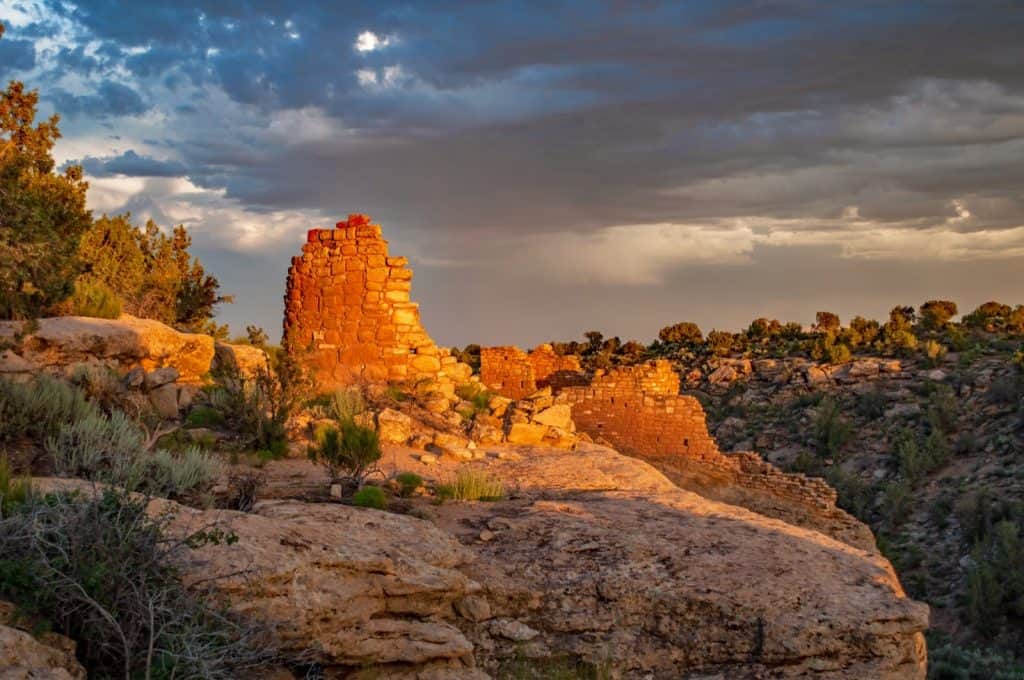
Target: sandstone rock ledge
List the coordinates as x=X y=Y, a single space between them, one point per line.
x=627 y=572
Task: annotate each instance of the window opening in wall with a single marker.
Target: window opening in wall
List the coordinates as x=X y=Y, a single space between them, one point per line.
x=686 y=442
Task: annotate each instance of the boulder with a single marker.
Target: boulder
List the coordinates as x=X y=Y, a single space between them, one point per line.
x=339 y=586
x=393 y=427
x=526 y=433
x=816 y=375
x=164 y=400
x=498 y=405
x=723 y=375
x=436 y=402
x=854 y=371
x=160 y=377
x=122 y=344
x=24 y=656
x=559 y=415
x=10 y=362
x=653 y=581
x=246 y=359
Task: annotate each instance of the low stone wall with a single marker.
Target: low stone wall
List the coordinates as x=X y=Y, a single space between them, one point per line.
x=513 y=373
x=639 y=410
x=507 y=371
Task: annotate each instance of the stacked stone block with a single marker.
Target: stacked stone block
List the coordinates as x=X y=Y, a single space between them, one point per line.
x=347 y=309
x=515 y=374
x=639 y=410
x=507 y=371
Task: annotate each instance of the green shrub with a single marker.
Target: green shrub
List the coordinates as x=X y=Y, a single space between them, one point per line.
x=949 y=662
x=934 y=351
x=204 y=416
x=854 y=494
x=408 y=483
x=472 y=485
x=916 y=459
x=101 y=570
x=13 y=490
x=91 y=298
x=943 y=408
x=831 y=432
x=349 y=453
x=896 y=500
x=996 y=579
x=37 y=408
x=395 y=393
x=478 y=397
x=370 y=497
x=1007 y=389
x=871 y=405
x=84 y=442
x=259 y=407
x=346 y=404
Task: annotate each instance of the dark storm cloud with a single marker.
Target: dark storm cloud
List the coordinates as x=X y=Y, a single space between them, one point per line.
x=132 y=164
x=112 y=99
x=19 y=55
x=481 y=122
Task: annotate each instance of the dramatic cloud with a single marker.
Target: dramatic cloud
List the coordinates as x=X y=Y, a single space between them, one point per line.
x=132 y=164
x=638 y=162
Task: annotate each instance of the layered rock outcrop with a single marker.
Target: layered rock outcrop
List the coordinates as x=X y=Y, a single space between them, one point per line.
x=151 y=361
x=347 y=304
x=58 y=344
x=597 y=557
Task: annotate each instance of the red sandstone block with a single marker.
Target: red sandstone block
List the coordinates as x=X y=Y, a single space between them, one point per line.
x=348 y=249
x=368 y=231
x=357 y=219
x=401 y=274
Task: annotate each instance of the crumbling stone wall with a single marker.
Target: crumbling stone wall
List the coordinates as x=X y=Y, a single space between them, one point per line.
x=639 y=410
x=507 y=371
x=515 y=374
x=347 y=304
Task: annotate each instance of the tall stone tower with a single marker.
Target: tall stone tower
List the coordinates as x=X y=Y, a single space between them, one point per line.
x=347 y=307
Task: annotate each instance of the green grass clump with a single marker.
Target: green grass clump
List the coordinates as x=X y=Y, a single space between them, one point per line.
x=476 y=395
x=408 y=483
x=13 y=490
x=472 y=485
x=204 y=416
x=370 y=497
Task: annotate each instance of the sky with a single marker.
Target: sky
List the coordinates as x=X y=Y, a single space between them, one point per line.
x=556 y=167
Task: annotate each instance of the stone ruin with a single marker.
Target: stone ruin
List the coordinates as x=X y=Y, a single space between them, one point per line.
x=513 y=373
x=347 y=303
x=639 y=411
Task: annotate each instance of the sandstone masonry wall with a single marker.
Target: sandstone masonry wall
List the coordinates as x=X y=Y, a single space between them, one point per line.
x=515 y=374
x=347 y=302
x=640 y=411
